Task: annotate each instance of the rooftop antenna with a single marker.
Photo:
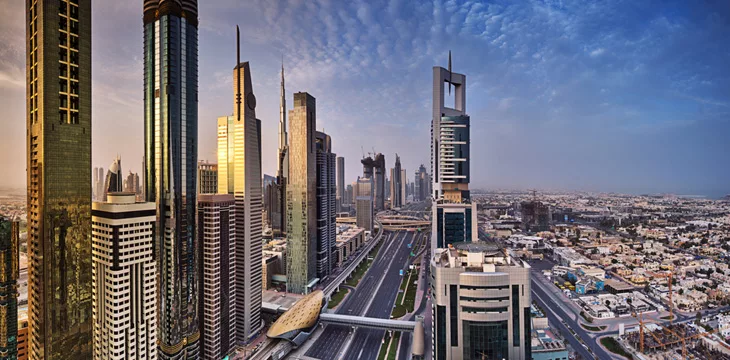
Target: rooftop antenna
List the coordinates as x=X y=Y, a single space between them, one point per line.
x=238 y=72
x=449 y=72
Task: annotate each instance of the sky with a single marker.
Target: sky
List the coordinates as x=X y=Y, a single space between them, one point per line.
x=623 y=96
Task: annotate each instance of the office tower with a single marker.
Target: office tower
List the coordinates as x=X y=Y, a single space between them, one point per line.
x=421 y=192
x=239 y=174
x=481 y=304
x=348 y=195
x=124 y=277
x=396 y=185
x=326 y=205
x=272 y=204
x=58 y=138
x=113 y=182
x=374 y=167
x=364 y=203
x=217 y=234
x=341 y=187
x=278 y=221
x=301 y=223
x=403 y=186
x=453 y=213
x=207 y=178
x=9 y=237
x=130 y=185
x=171 y=159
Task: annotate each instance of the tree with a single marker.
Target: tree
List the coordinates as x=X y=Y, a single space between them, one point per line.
x=698 y=318
x=608 y=303
x=681 y=291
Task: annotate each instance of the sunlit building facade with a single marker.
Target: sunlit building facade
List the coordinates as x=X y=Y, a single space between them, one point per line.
x=171 y=159
x=9 y=237
x=58 y=140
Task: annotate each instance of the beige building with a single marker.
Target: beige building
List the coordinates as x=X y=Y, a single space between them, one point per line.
x=348 y=241
x=481 y=304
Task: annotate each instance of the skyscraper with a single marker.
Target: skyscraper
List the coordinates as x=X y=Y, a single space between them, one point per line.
x=124 y=274
x=239 y=174
x=396 y=185
x=282 y=174
x=171 y=158
x=217 y=233
x=364 y=203
x=58 y=130
x=422 y=184
x=9 y=236
x=113 y=182
x=207 y=178
x=95 y=174
x=301 y=260
x=481 y=304
x=341 y=186
x=374 y=167
x=326 y=205
x=454 y=214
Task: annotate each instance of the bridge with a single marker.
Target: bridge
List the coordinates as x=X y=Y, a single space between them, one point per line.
x=395 y=222
x=368 y=322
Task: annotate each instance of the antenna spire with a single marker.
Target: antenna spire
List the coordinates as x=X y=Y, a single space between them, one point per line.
x=238 y=72
x=449 y=72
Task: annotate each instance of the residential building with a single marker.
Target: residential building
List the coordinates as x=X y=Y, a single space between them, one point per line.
x=23 y=332
x=171 y=171
x=239 y=174
x=207 y=178
x=217 y=233
x=349 y=239
x=9 y=271
x=481 y=304
x=326 y=205
x=58 y=142
x=301 y=262
x=364 y=203
x=124 y=275
x=546 y=346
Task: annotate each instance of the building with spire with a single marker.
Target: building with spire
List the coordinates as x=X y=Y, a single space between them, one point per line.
x=278 y=209
x=239 y=174
x=397 y=185
x=58 y=144
x=171 y=164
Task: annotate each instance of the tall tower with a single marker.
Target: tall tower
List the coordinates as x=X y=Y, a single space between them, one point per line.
x=326 y=205
x=171 y=159
x=396 y=185
x=301 y=260
x=239 y=174
x=283 y=171
x=113 y=180
x=9 y=236
x=58 y=128
x=341 y=186
x=124 y=272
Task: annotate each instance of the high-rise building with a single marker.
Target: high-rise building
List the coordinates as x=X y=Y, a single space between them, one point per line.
x=481 y=304
x=23 y=332
x=279 y=210
x=348 y=195
x=396 y=185
x=453 y=210
x=113 y=182
x=9 y=237
x=341 y=186
x=207 y=178
x=124 y=278
x=58 y=140
x=171 y=159
x=301 y=261
x=374 y=167
x=239 y=174
x=99 y=184
x=403 y=187
x=95 y=174
x=272 y=205
x=326 y=205
x=421 y=185
x=217 y=233
x=364 y=203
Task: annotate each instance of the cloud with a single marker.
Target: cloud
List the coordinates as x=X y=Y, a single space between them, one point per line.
x=598 y=52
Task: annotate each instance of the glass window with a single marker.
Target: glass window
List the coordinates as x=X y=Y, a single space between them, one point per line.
x=515 y=315
x=454 y=314
x=485 y=340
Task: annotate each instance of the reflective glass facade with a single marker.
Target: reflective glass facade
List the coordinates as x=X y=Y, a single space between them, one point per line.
x=58 y=90
x=171 y=148
x=485 y=340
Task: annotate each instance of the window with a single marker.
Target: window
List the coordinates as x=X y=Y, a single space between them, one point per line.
x=62 y=22
x=515 y=315
x=454 y=314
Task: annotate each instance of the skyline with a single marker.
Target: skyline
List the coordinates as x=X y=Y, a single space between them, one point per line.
x=559 y=99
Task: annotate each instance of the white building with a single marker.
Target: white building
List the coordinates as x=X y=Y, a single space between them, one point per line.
x=124 y=276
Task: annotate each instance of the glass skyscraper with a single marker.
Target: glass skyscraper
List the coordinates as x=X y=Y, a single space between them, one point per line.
x=171 y=152
x=58 y=105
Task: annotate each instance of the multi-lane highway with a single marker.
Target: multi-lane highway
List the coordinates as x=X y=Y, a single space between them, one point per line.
x=379 y=284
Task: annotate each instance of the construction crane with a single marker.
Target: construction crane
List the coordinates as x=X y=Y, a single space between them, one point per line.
x=669 y=276
x=679 y=338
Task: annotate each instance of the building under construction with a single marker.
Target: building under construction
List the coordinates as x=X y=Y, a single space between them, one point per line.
x=374 y=167
x=535 y=216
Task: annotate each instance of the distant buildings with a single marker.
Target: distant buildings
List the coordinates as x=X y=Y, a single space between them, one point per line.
x=301 y=260
x=535 y=216
x=272 y=204
x=453 y=212
x=481 y=304
x=239 y=174
x=397 y=185
x=207 y=178
x=374 y=167
x=9 y=271
x=422 y=185
x=124 y=278
x=341 y=186
x=171 y=164
x=364 y=203
x=58 y=138
x=326 y=205
x=217 y=231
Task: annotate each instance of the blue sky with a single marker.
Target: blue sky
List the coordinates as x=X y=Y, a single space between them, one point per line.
x=627 y=96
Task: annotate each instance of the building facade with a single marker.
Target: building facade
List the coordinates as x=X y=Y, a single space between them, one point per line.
x=364 y=203
x=207 y=178
x=341 y=186
x=114 y=181
x=171 y=159
x=239 y=174
x=58 y=140
x=217 y=233
x=326 y=205
x=301 y=261
x=481 y=304
x=278 y=221
x=422 y=185
x=9 y=271
x=396 y=185
x=124 y=275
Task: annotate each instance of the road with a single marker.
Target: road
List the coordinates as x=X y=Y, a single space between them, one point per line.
x=328 y=345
